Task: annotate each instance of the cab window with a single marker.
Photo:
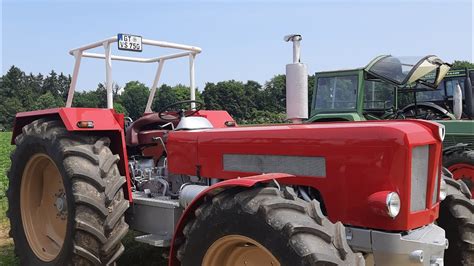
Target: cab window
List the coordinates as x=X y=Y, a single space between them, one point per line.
x=336 y=93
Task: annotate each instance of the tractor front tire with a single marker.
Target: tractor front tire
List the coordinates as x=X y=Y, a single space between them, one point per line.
x=456 y=217
x=263 y=226
x=66 y=202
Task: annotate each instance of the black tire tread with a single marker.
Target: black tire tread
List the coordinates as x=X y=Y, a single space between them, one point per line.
x=464 y=155
x=274 y=206
x=457 y=218
x=93 y=170
x=84 y=253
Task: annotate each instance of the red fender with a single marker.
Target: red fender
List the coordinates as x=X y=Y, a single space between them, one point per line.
x=188 y=213
x=106 y=121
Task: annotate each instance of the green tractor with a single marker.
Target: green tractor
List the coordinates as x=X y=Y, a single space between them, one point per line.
x=405 y=88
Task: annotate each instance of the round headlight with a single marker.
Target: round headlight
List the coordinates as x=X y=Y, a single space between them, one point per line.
x=393 y=204
x=443 y=190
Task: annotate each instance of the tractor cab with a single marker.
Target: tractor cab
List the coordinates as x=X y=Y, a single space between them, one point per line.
x=451 y=100
x=401 y=71
x=369 y=93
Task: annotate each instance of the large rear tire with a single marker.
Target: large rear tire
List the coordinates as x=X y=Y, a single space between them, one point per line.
x=461 y=164
x=456 y=217
x=264 y=226
x=66 y=202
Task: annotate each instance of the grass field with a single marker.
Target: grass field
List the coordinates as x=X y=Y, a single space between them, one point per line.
x=6 y=244
x=135 y=253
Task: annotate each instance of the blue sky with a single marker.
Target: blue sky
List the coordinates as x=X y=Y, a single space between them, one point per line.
x=240 y=40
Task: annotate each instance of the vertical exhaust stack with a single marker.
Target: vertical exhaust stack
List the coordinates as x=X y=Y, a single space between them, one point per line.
x=296 y=84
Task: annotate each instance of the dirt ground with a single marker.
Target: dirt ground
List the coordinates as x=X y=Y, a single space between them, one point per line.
x=135 y=253
x=7 y=256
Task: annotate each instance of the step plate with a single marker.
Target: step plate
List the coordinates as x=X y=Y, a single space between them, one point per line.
x=163 y=241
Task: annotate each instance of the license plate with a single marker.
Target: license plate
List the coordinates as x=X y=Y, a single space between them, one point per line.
x=129 y=42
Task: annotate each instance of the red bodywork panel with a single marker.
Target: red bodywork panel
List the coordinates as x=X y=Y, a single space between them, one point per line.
x=218 y=119
x=361 y=158
x=106 y=121
x=249 y=181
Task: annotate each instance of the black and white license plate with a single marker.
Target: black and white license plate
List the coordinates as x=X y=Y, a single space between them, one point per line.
x=129 y=42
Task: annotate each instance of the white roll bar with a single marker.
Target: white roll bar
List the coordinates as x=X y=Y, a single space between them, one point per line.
x=78 y=53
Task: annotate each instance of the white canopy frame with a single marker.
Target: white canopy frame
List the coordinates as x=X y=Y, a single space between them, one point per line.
x=80 y=52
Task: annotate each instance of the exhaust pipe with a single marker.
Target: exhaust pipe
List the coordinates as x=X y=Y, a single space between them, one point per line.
x=296 y=84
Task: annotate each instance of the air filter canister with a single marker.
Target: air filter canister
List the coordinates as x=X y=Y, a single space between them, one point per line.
x=296 y=92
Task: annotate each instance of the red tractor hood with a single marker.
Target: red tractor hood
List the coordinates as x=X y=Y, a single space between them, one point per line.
x=345 y=161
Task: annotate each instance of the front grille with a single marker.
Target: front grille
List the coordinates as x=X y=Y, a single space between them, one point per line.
x=419 y=177
x=295 y=165
x=434 y=199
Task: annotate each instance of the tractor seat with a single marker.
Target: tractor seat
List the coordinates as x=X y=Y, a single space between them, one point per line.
x=142 y=124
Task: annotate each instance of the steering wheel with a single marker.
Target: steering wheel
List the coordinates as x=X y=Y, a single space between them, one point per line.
x=172 y=112
x=425 y=112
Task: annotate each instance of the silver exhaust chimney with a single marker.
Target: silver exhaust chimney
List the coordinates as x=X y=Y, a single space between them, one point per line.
x=296 y=84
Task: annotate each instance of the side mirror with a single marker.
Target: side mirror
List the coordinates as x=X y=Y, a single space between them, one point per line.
x=468 y=94
x=457 y=101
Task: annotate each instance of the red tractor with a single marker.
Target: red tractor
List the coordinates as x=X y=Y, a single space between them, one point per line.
x=219 y=194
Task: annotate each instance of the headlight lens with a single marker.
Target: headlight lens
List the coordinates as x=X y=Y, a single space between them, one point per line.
x=393 y=204
x=443 y=190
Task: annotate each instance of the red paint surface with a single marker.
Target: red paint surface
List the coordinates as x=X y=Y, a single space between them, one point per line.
x=463 y=171
x=377 y=203
x=106 y=121
x=217 y=118
x=361 y=159
x=189 y=212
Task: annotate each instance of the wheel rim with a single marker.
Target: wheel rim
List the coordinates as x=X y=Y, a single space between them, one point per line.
x=43 y=207
x=464 y=172
x=238 y=250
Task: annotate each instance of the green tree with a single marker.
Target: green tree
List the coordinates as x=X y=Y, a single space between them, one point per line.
x=8 y=109
x=101 y=93
x=237 y=98
x=51 y=84
x=35 y=83
x=166 y=95
x=183 y=93
x=63 y=85
x=11 y=82
x=224 y=96
x=85 y=99
x=311 y=81
x=274 y=96
x=48 y=100
x=119 y=108
x=134 y=98
x=461 y=64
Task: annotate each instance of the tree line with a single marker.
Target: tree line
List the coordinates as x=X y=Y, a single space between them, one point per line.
x=248 y=103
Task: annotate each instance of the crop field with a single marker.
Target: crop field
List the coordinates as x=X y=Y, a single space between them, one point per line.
x=6 y=244
x=135 y=253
